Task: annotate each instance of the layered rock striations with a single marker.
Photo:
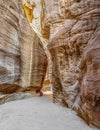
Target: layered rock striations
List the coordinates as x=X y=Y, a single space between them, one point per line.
x=90 y=79
x=22 y=57
x=73 y=30
x=9 y=42
x=33 y=56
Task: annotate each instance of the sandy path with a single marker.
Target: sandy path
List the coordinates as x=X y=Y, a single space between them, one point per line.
x=38 y=113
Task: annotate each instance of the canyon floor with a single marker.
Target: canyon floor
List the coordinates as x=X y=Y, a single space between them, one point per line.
x=38 y=113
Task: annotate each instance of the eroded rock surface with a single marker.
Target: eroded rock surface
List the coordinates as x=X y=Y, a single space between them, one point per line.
x=9 y=42
x=73 y=30
x=13 y=97
x=90 y=79
x=22 y=58
x=33 y=56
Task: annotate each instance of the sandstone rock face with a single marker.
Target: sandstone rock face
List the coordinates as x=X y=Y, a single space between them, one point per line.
x=22 y=57
x=33 y=56
x=13 y=97
x=73 y=30
x=9 y=43
x=90 y=79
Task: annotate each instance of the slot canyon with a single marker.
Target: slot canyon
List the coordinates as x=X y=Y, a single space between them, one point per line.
x=50 y=46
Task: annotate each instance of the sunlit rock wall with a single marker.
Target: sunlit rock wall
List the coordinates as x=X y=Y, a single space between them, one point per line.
x=72 y=27
x=33 y=56
x=34 y=59
x=33 y=11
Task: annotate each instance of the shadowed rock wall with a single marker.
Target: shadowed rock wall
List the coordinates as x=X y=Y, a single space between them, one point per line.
x=73 y=30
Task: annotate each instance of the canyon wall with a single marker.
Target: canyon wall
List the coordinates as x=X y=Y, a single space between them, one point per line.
x=33 y=56
x=73 y=30
x=9 y=42
x=23 y=60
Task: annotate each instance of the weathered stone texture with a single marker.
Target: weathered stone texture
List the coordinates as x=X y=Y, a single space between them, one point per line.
x=33 y=56
x=72 y=27
x=22 y=57
x=9 y=43
x=90 y=79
